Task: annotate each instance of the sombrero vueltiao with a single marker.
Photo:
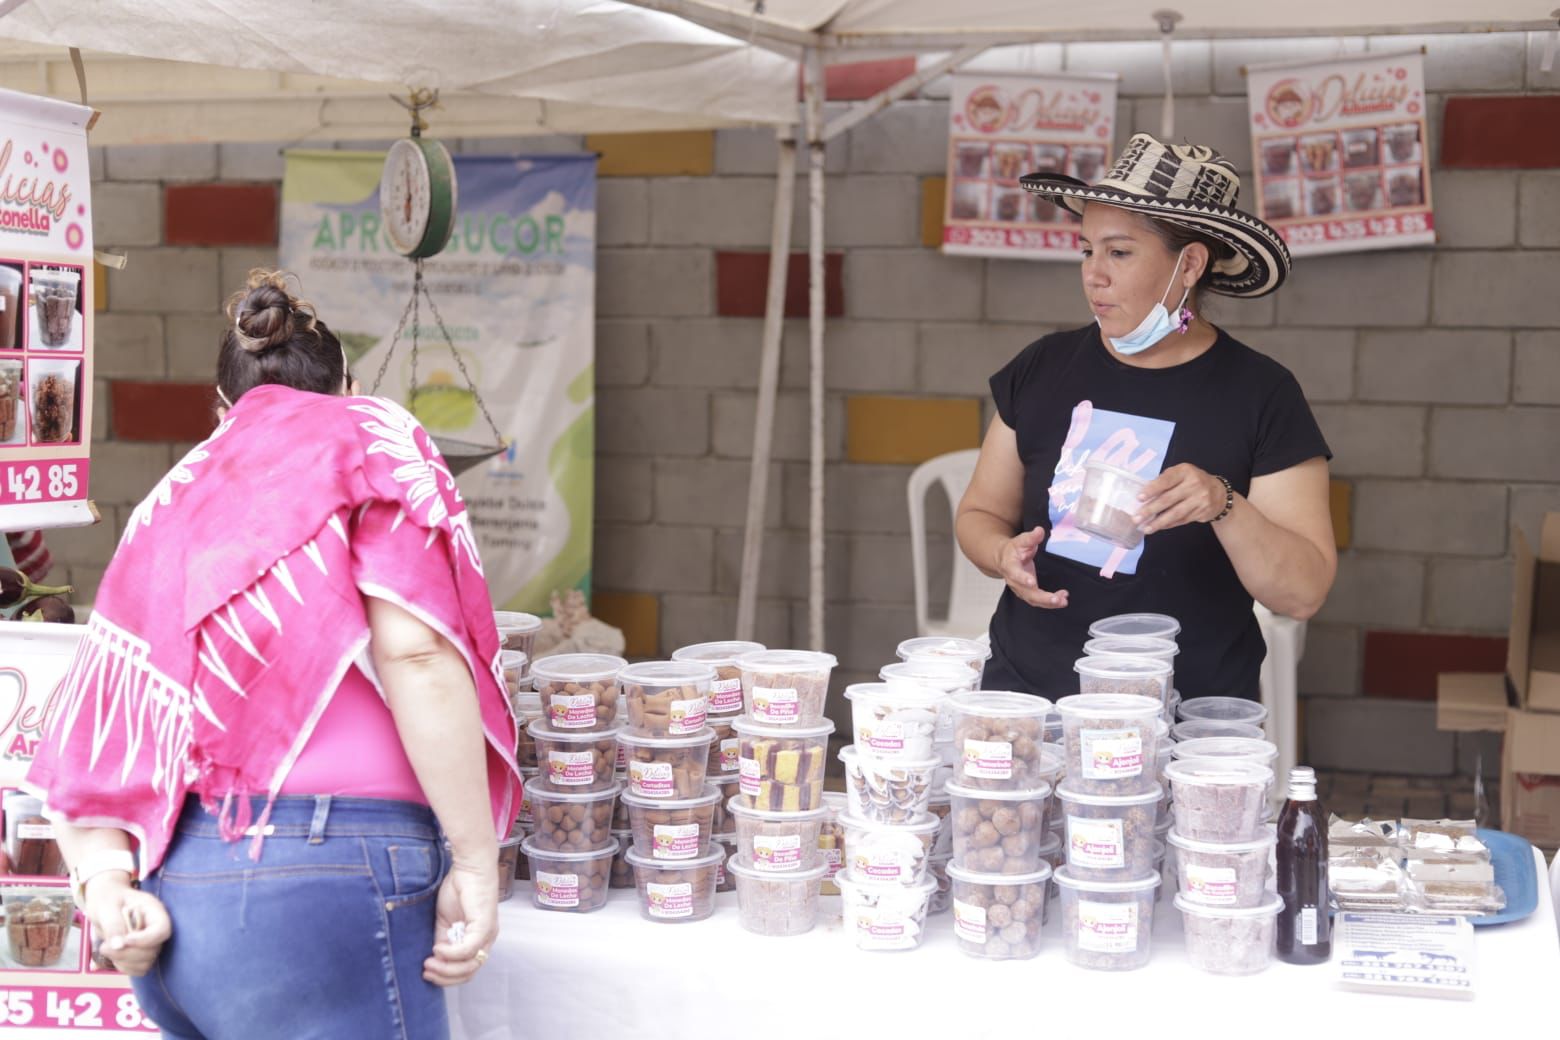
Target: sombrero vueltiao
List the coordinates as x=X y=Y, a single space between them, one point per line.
x=1189 y=185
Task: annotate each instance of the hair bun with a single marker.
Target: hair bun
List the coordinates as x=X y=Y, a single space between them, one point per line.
x=265 y=315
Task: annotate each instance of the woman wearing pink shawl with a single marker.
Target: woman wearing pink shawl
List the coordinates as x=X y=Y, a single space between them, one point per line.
x=285 y=705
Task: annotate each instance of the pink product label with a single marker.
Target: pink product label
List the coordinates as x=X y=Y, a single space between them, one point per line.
x=1111 y=754
x=988 y=759
x=777 y=852
x=675 y=841
x=572 y=710
x=35 y=831
x=687 y=716
x=726 y=696
x=652 y=779
x=885 y=930
x=670 y=900
x=720 y=874
x=24 y=482
x=776 y=705
x=730 y=755
x=1107 y=927
x=885 y=736
x=751 y=777
x=969 y=922
x=558 y=890
x=882 y=871
x=571 y=768
x=622 y=758
x=1215 y=886
x=834 y=859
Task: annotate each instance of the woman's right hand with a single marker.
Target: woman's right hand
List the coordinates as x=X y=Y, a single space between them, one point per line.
x=1016 y=565
x=469 y=897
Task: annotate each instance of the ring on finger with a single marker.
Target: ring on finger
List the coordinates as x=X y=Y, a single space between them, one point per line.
x=481 y=957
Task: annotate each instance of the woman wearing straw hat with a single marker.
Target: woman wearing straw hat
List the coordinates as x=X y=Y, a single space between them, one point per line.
x=1235 y=504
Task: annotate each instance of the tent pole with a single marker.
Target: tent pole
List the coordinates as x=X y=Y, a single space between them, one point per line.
x=768 y=385
x=814 y=95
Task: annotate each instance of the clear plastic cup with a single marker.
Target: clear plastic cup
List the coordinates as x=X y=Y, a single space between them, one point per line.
x=782 y=766
x=1054 y=854
x=940 y=805
x=884 y=917
x=891 y=853
x=572 y=882
x=1219 y=799
x=1139 y=676
x=1110 y=740
x=525 y=817
x=998 y=737
x=1109 y=837
x=12 y=409
x=1108 y=504
x=666 y=698
x=1154 y=626
x=777 y=842
x=971 y=652
x=937 y=870
x=831 y=839
x=1196 y=729
x=1230 y=940
x=725 y=750
x=1152 y=647
x=998 y=832
x=572 y=821
x=508 y=867
x=573 y=760
x=1263 y=752
x=887 y=791
x=516 y=667
x=947 y=676
x=777 y=904
x=676 y=892
x=54 y=293
x=38 y=927
x=1107 y=925
x=785 y=687
x=517 y=631
x=1232 y=874
x=672 y=829
x=895 y=722
x=998 y=916
x=527 y=708
x=578 y=691
x=725 y=880
x=726 y=689
x=1223 y=709
x=667 y=767
x=728 y=786
x=622 y=873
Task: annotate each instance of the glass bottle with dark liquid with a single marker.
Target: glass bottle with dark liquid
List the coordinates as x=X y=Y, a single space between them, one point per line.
x=1304 y=929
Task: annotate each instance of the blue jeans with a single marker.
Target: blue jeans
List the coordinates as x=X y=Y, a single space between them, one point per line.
x=323 y=937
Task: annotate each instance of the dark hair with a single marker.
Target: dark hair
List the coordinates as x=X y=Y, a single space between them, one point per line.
x=276 y=338
x=1177 y=237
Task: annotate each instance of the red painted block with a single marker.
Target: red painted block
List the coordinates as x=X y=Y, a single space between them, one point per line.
x=1501 y=133
x=1404 y=665
x=220 y=214
x=162 y=411
x=860 y=80
x=742 y=284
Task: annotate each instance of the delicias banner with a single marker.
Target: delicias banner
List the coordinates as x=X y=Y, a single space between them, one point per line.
x=1002 y=127
x=1341 y=154
x=516 y=289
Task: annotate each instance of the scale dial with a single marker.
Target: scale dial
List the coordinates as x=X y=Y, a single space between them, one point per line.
x=417 y=196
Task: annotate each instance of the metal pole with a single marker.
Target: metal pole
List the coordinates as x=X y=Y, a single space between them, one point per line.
x=768 y=385
x=814 y=95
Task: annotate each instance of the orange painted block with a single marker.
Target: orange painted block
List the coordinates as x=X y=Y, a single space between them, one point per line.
x=1340 y=498
x=162 y=411
x=909 y=430
x=677 y=153
x=934 y=196
x=638 y=614
x=99 y=287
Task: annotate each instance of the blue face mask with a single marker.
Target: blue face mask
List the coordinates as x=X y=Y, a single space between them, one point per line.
x=1157 y=324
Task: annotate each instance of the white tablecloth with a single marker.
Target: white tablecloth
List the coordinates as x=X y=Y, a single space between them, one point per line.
x=611 y=974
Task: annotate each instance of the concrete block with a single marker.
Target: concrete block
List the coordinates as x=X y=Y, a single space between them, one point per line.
x=654 y=283
x=1538 y=212
x=102 y=414
x=863 y=636
x=1464 y=61
x=1331 y=665
x=1379 y=288
x=880 y=570
x=1470 y=595
x=129 y=345
x=1474 y=209
x=652 y=421
x=1140 y=65
x=1321 y=360
x=168 y=280
x=1221 y=123
x=689 y=619
x=1495 y=443
x=84 y=546
x=1230 y=57
x=193 y=345
x=161 y=162
x=1496 y=289
x=251 y=161
x=84 y=580
x=1537 y=78
x=1377 y=591
x=1227 y=310
x=912 y=284
x=1389 y=736
x=712 y=492
x=907 y=137
x=622 y=211
x=675 y=153
x=625 y=490
x=1023 y=290
x=622 y=353
x=1430 y=517
x=856 y=498
x=1374 y=440
x=959 y=357
x=712 y=352
x=97 y=164
x=1435 y=366
x=712 y=211
x=1019 y=60
x=1478 y=754
x=1528 y=506
x=754 y=152
x=732 y=427
x=238 y=262
x=857 y=355
x=123 y=474
x=1536 y=368
x=860 y=210
x=784 y=566
x=529 y=144
x=126 y=214
x=644 y=558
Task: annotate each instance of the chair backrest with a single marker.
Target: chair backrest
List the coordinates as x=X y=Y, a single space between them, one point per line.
x=972 y=596
x=1554 y=885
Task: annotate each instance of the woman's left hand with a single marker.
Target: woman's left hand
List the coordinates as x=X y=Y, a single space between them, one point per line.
x=1180 y=495
x=130 y=925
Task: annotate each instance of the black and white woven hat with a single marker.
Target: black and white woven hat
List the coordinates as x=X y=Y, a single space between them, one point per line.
x=1189 y=185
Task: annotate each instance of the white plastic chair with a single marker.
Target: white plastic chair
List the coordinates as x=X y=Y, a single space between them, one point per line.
x=1554 y=886
x=972 y=595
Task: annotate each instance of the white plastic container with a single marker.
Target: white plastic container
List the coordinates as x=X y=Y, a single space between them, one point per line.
x=785 y=687
x=937 y=870
x=1138 y=676
x=1109 y=837
x=667 y=767
x=666 y=698
x=895 y=721
x=573 y=760
x=672 y=829
x=517 y=631
x=998 y=832
x=1219 y=799
x=726 y=690
x=572 y=882
x=971 y=652
x=1196 y=729
x=887 y=791
x=1154 y=626
x=1110 y=740
x=1107 y=925
x=776 y=904
x=1230 y=940
x=1223 y=709
x=1153 y=647
x=777 y=842
x=998 y=737
x=948 y=676
x=1227 y=874
x=884 y=917
x=578 y=691
x=781 y=766
x=676 y=893
x=998 y=916
x=889 y=853
x=1109 y=502
x=572 y=821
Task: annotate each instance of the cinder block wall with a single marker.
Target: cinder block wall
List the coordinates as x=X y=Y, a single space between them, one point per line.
x=1435 y=373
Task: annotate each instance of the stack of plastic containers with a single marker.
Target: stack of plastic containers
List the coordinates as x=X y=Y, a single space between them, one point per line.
x=725 y=707
x=778 y=809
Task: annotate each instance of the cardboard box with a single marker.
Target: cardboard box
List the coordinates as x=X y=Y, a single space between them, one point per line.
x=1533 y=641
x=1530 y=750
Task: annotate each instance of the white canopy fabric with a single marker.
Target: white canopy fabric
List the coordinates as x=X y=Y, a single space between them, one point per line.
x=296 y=70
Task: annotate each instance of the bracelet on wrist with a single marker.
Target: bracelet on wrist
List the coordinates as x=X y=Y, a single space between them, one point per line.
x=1229 y=498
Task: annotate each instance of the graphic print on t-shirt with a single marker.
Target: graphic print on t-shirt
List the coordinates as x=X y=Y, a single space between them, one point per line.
x=1130 y=442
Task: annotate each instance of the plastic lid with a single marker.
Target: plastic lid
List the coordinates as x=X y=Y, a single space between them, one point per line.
x=1066 y=880
x=705 y=736
x=943 y=646
x=909 y=695
x=1223 y=709
x=709 y=796
x=529 y=848
x=724 y=652
x=1027 y=795
x=848 y=878
x=667 y=673
x=1109 y=706
x=515 y=621
x=508 y=659
x=1161 y=625
x=1001 y=704
x=948 y=676
x=541 y=730
x=1125 y=474
x=1264 y=751
x=1270 y=906
x=578 y=667
x=1218 y=772
x=529 y=703
x=736 y=808
x=1131 y=646
x=576 y=797
x=750 y=728
x=1196 y=728
x=786 y=661
x=720 y=780
x=848 y=755
x=1265 y=842
x=704 y=862
x=1123 y=667
x=51 y=274
x=512 y=841
x=835 y=801
x=742 y=866
x=977 y=878
x=925 y=823
x=1067 y=794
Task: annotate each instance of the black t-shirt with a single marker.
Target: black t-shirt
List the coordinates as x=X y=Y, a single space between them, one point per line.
x=1230 y=411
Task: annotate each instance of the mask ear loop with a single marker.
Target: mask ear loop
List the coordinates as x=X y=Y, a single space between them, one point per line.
x=1184 y=313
